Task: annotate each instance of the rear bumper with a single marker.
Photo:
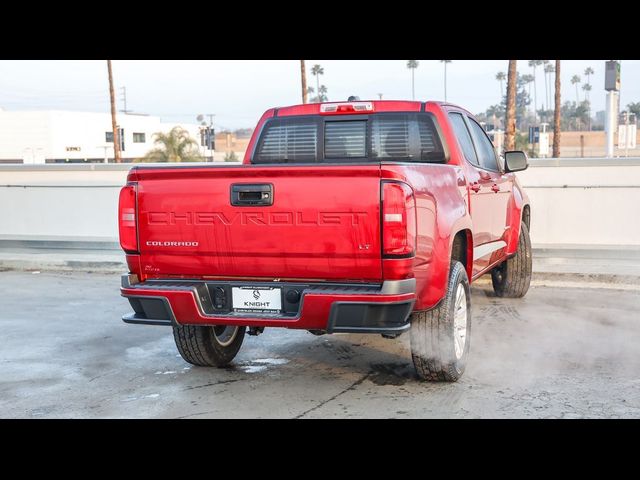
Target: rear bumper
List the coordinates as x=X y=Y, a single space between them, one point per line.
x=335 y=308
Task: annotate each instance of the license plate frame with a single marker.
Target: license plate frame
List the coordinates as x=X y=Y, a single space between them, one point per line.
x=250 y=299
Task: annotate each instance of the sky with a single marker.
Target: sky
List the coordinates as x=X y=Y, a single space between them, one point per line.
x=239 y=91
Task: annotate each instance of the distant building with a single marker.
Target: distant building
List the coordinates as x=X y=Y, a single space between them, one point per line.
x=57 y=136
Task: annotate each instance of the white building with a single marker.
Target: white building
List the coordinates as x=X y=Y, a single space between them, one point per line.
x=57 y=136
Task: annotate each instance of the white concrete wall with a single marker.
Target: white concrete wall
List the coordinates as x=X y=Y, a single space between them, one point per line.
x=574 y=202
x=584 y=202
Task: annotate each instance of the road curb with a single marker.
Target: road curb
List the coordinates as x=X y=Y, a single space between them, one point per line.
x=63 y=265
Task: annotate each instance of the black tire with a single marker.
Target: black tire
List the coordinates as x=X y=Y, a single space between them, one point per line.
x=208 y=346
x=513 y=276
x=433 y=339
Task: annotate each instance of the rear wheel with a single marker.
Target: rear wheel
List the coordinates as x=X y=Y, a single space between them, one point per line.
x=440 y=337
x=208 y=346
x=513 y=276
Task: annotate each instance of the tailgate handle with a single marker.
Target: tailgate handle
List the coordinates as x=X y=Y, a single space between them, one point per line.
x=251 y=194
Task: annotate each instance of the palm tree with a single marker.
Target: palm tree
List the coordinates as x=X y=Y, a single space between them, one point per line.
x=548 y=70
x=587 y=88
x=316 y=71
x=533 y=64
x=303 y=78
x=175 y=146
x=445 y=77
x=322 y=94
x=500 y=76
x=575 y=80
x=556 y=115
x=380 y=96
x=412 y=65
x=510 y=127
x=588 y=72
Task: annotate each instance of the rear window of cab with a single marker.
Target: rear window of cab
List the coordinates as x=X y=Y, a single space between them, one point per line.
x=405 y=137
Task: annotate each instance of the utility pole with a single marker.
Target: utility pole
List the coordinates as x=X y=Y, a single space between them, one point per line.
x=211 y=115
x=124 y=98
x=303 y=77
x=380 y=96
x=114 y=125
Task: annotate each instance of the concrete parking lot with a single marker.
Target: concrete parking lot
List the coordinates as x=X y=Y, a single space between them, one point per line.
x=558 y=353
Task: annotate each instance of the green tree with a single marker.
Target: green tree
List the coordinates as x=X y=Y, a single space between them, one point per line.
x=496 y=112
x=501 y=77
x=575 y=80
x=322 y=94
x=587 y=73
x=445 y=77
x=316 y=71
x=528 y=80
x=174 y=146
x=634 y=108
x=412 y=65
x=230 y=157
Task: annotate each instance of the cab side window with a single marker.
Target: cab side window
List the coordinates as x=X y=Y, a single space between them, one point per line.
x=484 y=147
x=462 y=133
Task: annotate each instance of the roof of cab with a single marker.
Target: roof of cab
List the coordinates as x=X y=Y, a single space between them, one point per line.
x=378 y=106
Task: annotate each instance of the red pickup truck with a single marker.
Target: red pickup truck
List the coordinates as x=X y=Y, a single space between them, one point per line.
x=359 y=216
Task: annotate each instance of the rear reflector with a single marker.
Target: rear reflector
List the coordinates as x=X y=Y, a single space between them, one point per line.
x=399 y=220
x=127 y=218
x=351 y=107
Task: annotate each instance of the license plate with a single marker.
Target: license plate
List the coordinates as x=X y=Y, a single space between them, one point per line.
x=256 y=299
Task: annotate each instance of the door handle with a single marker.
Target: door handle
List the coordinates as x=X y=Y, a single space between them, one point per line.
x=475 y=186
x=251 y=194
x=495 y=188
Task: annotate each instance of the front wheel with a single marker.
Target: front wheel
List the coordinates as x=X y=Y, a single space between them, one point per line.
x=208 y=346
x=440 y=337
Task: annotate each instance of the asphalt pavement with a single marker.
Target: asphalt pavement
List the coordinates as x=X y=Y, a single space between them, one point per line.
x=567 y=350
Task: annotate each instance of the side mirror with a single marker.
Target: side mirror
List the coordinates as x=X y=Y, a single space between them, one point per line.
x=515 y=161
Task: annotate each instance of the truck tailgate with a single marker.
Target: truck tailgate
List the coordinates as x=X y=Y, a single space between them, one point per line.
x=323 y=224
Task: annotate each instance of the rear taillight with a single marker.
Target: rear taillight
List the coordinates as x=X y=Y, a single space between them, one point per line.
x=127 y=212
x=398 y=220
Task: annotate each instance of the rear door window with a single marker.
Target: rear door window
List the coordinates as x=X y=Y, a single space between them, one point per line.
x=484 y=146
x=464 y=138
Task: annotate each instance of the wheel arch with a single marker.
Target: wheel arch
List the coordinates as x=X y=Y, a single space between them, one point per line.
x=461 y=249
